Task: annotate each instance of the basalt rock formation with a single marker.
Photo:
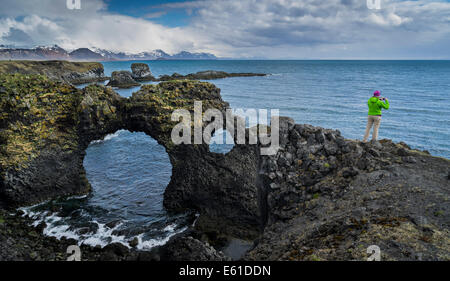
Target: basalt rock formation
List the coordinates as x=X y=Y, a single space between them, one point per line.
x=207 y=75
x=47 y=125
x=122 y=79
x=70 y=72
x=141 y=72
x=329 y=198
x=320 y=197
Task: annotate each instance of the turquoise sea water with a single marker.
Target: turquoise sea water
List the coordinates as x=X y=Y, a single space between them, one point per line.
x=129 y=171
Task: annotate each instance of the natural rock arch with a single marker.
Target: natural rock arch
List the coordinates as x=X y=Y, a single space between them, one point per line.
x=221 y=187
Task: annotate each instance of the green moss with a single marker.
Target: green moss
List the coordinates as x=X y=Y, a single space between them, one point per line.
x=316 y=195
x=314 y=258
x=42 y=67
x=159 y=101
x=438 y=213
x=35 y=112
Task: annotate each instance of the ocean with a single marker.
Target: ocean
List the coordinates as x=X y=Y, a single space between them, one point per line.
x=129 y=171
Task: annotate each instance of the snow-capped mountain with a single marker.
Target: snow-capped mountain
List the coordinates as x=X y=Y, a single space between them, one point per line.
x=93 y=54
x=37 y=53
x=151 y=55
x=188 y=55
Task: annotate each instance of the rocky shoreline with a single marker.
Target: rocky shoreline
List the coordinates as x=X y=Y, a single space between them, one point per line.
x=321 y=197
x=140 y=72
x=20 y=241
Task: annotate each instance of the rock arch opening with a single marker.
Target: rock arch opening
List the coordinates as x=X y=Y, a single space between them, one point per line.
x=128 y=173
x=128 y=170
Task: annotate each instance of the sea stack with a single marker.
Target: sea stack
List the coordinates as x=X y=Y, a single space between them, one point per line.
x=141 y=72
x=122 y=79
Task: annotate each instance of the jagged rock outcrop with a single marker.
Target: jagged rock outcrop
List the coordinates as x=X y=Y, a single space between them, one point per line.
x=190 y=249
x=141 y=72
x=70 y=72
x=122 y=79
x=45 y=127
x=330 y=199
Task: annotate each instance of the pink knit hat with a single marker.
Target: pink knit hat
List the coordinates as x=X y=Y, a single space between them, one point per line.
x=376 y=93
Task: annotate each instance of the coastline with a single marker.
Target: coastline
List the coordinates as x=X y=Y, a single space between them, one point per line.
x=20 y=240
x=321 y=197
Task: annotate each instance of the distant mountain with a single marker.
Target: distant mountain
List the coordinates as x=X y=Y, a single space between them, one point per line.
x=85 y=54
x=38 y=53
x=153 y=55
x=196 y=56
x=93 y=54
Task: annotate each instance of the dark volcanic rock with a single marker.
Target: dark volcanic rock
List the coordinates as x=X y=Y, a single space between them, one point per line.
x=141 y=72
x=338 y=197
x=122 y=79
x=47 y=126
x=207 y=75
x=190 y=249
x=203 y=181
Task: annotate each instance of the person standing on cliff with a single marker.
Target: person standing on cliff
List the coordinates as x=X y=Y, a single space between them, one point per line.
x=375 y=104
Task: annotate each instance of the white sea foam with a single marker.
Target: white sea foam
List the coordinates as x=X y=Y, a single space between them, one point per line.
x=107 y=137
x=148 y=244
x=77 y=197
x=103 y=236
x=170 y=227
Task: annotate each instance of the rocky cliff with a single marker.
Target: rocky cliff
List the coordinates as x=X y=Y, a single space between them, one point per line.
x=70 y=72
x=329 y=198
x=321 y=197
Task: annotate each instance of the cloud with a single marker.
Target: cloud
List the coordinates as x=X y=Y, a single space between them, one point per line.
x=51 y=22
x=30 y=30
x=244 y=28
x=155 y=15
x=17 y=36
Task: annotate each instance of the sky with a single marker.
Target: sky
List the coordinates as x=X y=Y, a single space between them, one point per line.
x=246 y=29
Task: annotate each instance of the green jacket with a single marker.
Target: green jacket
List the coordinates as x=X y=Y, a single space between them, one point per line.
x=375 y=105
